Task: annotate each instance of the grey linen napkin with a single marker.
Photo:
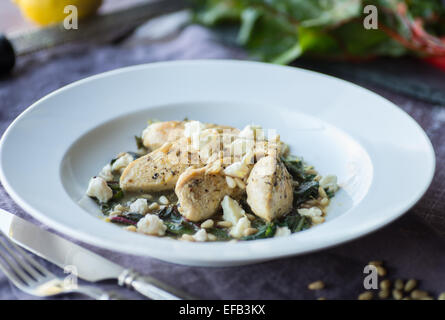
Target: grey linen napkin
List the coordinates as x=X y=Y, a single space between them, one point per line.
x=412 y=247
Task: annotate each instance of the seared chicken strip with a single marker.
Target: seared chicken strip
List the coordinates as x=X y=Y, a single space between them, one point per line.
x=269 y=188
x=160 y=169
x=200 y=191
x=158 y=133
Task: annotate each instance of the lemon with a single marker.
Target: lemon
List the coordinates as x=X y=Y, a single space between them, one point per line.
x=45 y=12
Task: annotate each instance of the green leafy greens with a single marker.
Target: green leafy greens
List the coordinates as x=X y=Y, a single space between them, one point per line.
x=280 y=31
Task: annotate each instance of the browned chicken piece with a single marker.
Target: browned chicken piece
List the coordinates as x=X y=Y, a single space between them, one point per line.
x=160 y=169
x=158 y=133
x=200 y=191
x=269 y=189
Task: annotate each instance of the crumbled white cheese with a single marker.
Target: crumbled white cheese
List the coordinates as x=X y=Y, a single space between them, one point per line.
x=192 y=130
x=106 y=173
x=163 y=200
x=282 y=232
x=329 y=182
x=151 y=224
x=242 y=225
x=237 y=169
x=231 y=210
x=99 y=189
x=200 y=236
x=139 y=206
x=122 y=162
x=311 y=212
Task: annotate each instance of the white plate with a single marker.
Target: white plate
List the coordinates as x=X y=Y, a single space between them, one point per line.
x=383 y=159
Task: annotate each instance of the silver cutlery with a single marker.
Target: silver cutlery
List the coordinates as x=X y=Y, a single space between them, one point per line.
x=33 y=278
x=89 y=265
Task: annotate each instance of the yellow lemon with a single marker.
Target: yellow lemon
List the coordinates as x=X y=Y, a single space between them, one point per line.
x=45 y=12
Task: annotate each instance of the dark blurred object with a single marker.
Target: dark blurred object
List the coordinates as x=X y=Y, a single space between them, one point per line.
x=408 y=76
x=7 y=55
x=102 y=28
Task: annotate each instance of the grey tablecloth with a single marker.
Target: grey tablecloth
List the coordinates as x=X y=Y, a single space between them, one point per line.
x=413 y=246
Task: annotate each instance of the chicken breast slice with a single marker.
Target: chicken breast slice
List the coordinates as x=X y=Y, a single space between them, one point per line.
x=160 y=169
x=200 y=191
x=269 y=189
x=158 y=133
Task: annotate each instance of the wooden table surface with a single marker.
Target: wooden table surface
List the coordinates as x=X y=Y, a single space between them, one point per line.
x=11 y=19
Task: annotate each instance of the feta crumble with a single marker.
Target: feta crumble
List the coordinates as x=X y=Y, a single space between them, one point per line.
x=151 y=225
x=241 y=226
x=232 y=211
x=99 y=189
x=139 y=206
x=106 y=173
x=122 y=162
x=311 y=212
x=193 y=130
x=282 y=232
x=329 y=182
x=314 y=213
x=230 y=182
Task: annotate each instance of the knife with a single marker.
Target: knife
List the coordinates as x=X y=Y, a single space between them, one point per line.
x=89 y=266
x=104 y=28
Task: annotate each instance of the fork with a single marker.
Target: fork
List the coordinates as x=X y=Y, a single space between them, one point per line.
x=31 y=277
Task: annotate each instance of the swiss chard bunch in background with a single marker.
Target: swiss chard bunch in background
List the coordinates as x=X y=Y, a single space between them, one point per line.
x=280 y=31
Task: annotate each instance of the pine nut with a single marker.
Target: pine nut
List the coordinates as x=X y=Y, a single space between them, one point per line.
x=153 y=206
x=251 y=217
x=375 y=263
x=385 y=285
x=163 y=200
x=384 y=294
x=381 y=271
x=397 y=294
x=317 y=285
x=211 y=237
x=240 y=183
x=368 y=295
x=224 y=224
x=207 y=224
x=419 y=294
x=321 y=192
x=398 y=284
x=187 y=237
x=410 y=285
x=131 y=228
x=230 y=182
